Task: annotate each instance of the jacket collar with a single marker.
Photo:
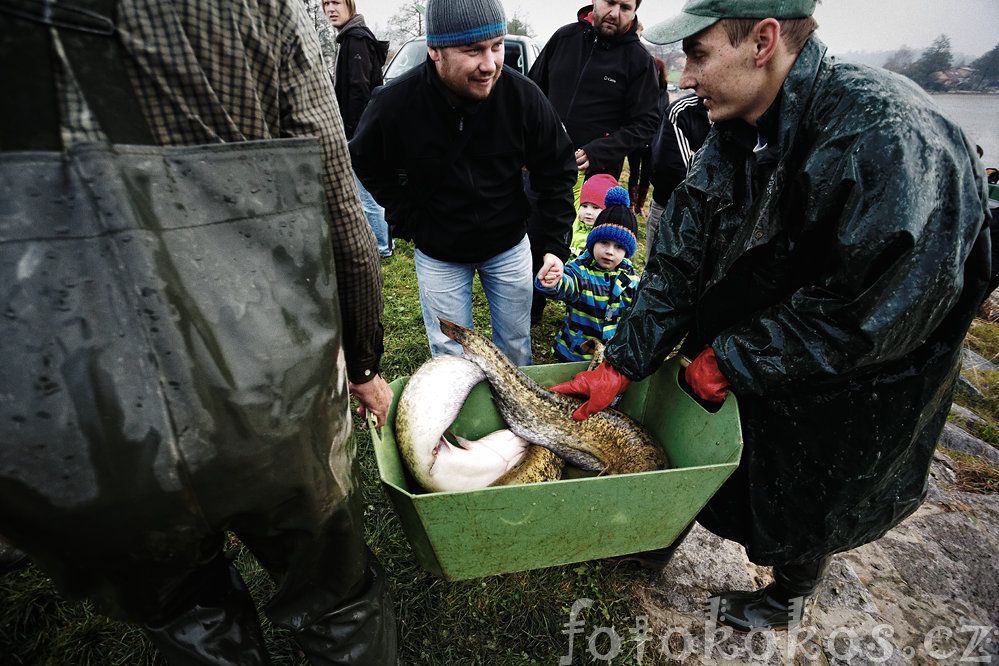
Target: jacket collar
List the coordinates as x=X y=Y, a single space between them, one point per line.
x=355 y=21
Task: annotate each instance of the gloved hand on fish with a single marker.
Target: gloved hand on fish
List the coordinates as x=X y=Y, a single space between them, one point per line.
x=541 y=434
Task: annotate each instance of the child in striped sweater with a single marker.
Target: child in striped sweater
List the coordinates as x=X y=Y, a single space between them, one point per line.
x=599 y=285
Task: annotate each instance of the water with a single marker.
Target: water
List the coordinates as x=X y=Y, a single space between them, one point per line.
x=978 y=115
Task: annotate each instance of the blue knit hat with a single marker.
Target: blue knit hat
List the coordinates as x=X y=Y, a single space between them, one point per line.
x=615 y=222
x=463 y=22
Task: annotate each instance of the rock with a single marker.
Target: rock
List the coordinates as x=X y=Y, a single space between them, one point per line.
x=955 y=439
x=965 y=417
x=925 y=593
x=972 y=361
x=989 y=310
x=969 y=390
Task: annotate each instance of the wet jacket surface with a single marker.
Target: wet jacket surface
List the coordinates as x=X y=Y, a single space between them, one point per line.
x=451 y=177
x=605 y=90
x=358 y=70
x=835 y=284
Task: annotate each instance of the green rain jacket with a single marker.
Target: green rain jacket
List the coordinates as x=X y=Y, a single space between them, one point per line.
x=836 y=286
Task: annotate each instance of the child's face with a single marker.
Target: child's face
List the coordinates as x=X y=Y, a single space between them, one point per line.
x=608 y=254
x=588 y=213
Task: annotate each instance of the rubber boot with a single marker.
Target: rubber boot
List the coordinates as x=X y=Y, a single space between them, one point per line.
x=777 y=606
x=656 y=560
x=213 y=622
x=11 y=559
x=632 y=198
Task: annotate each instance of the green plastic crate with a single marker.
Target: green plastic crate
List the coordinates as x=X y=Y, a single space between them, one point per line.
x=473 y=533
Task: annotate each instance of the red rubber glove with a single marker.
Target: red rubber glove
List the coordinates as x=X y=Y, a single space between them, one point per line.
x=705 y=378
x=601 y=386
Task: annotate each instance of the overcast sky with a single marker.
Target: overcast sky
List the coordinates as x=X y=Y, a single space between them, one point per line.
x=845 y=25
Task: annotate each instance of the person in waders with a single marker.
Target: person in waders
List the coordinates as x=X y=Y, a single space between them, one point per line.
x=802 y=270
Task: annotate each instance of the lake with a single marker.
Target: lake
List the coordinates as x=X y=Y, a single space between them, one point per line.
x=978 y=115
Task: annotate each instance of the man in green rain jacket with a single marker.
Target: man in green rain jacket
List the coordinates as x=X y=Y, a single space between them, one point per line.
x=823 y=260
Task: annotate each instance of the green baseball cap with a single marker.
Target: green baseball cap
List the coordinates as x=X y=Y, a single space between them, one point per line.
x=700 y=14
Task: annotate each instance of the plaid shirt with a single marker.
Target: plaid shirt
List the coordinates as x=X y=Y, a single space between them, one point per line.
x=208 y=72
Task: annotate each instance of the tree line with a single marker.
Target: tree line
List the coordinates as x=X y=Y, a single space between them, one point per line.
x=935 y=71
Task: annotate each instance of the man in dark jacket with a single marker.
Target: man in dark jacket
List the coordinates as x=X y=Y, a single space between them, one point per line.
x=443 y=147
x=358 y=71
x=802 y=266
x=602 y=82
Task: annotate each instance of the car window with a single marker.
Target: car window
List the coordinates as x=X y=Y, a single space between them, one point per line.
x=409 y=56
x=514 y=56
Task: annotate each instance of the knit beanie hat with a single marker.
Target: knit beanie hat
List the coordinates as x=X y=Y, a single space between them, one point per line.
x=615 y=222
x=463 y=22
x=595 y=189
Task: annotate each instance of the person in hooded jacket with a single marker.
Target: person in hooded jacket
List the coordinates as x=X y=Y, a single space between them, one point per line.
x=358 y=71
x=806 y=267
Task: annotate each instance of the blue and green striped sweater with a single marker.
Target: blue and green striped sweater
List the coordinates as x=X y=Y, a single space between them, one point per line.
x=595 y=301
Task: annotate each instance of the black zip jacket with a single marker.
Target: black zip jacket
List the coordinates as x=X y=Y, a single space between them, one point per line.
x=604 y=89
x=451 y=178
x=358 y=70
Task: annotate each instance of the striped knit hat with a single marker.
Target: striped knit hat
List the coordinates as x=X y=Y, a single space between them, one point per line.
x=463 y=22
x=615 y=222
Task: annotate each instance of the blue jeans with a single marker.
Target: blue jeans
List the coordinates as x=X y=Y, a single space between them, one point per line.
x=376 y=218
x=446 y=292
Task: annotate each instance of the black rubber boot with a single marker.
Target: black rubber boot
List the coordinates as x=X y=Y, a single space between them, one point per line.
x=656 y=560
x=11 y=559
x=777 y=606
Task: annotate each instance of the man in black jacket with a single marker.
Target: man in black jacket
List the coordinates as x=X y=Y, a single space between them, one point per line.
x=358 y=71
x=602 y=82
x=443 y=148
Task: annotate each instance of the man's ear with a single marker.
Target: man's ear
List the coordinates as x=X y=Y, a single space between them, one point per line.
x=435 y=54
x=767 y=35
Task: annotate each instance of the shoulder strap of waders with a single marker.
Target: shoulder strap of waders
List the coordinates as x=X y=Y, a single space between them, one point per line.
x=29 y=113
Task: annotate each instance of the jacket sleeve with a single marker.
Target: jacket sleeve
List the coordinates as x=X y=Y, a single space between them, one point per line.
x=637 y=127
x=308 y=108
x=895 y=268
x=378 y=165
x=567 y=289
x=553 y=173
x=663 y=309
x=358 y=53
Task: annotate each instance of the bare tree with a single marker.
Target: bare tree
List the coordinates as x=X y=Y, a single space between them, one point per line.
x=900 y=60
x=407 y=22
x=518 y=26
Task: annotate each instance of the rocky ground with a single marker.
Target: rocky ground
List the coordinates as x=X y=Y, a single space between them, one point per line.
x=925 y=593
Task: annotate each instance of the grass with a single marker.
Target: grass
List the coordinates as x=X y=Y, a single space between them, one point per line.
x=499 y=620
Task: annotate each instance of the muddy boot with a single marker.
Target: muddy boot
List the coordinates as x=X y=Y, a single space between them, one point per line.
x=777 y=606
